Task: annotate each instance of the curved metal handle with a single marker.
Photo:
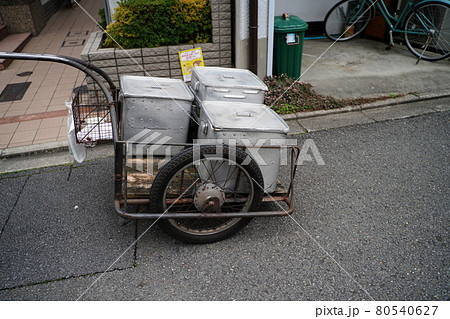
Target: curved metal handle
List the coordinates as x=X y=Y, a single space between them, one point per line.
x=230 y=96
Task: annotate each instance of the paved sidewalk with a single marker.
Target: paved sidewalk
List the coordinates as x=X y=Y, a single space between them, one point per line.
x=40 y=116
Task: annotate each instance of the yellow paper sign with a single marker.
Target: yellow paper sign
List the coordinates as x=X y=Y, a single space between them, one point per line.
x=188 y=60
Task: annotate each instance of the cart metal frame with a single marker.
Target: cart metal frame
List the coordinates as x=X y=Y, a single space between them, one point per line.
x=121 y=198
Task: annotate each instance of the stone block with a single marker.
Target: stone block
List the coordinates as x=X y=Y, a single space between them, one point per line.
x=225 y=23
x=212 y=62
x=225 y=15
x=158 y=73
x=176 y=73
x=219 y=2
x=225 y=46
x=225 y=39
x=225 y=31
x=155 y=59
x=225 y=7
x=128 y=53
x=156 y=66
x=155 y=51
x=126 y=69
x=225 y=61
x=102 y=54
x=174 y=58
x=211 y=54
x=129 y=61
x=175 y=65
x=225 y=54
x=105 y=63
x=208 y=46
x=174 y=49
x=214 y=7
x=216 y=39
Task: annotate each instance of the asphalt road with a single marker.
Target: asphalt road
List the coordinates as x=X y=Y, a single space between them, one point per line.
x=372 y=223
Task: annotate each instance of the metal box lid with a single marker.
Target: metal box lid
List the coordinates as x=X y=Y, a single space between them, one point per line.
x=248 y=117
x=228 y=78
x=150 y=87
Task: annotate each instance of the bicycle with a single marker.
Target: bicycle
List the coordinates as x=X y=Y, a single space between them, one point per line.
x=425 y=25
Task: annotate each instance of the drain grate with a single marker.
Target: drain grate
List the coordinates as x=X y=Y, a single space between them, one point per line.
x=74 y=43
x=14 y=92
x=77 y=33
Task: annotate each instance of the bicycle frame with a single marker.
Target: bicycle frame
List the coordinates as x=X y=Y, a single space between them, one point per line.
x=395 y=23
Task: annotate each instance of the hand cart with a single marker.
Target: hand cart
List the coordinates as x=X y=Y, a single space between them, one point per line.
x=205 y=193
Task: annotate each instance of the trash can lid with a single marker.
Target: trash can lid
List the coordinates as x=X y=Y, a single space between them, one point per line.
x=288 y=23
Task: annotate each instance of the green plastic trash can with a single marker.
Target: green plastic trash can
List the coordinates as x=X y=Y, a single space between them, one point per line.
x=288 y=45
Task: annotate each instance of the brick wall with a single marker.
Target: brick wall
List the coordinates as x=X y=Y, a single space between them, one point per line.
x=163 y=61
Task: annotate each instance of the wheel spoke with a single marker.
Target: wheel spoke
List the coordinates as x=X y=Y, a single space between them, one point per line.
x=212 y=184
x=347 y=19
x=427 y=33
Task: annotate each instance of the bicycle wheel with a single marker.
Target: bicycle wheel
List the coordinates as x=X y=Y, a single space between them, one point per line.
x=347 y=19
x=208 y=179
x=427 y=31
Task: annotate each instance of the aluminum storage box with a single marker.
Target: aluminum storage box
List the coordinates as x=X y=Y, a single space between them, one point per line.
x=246 y=124
x=155 y=105
x=227 y=84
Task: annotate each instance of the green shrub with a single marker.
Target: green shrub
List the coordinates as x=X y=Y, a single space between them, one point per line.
x=152 y=23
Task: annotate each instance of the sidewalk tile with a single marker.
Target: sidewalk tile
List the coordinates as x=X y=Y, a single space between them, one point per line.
x=5 y=139
x=8 y=128
x=29 y=125
x=47 y=133
x=20 y=105
x=23 y=136
x=51 y=123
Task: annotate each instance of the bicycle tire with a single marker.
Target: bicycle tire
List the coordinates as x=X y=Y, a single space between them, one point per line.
x=344 y=26
x=432 y=45
x=206 y=230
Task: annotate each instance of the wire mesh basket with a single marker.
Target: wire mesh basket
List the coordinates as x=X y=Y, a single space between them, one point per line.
x=91 y=115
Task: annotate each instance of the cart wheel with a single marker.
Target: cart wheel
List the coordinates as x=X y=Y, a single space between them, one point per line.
x=208 y=179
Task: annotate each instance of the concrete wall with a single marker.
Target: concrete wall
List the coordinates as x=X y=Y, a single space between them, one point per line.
x=307 y=10
x=110 y=6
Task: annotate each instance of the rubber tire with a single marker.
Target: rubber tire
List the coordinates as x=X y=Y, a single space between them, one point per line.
x=371 y=14
x=405 y=35
x=184 y=158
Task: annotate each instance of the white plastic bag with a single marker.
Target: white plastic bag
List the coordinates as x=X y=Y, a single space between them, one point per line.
x=78 y=150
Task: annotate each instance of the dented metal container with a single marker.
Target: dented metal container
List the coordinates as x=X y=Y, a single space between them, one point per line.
x=227 y=84
x=250 y=125
x=154 y=110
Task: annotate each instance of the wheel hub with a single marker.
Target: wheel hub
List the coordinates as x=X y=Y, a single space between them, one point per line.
x=209 y=198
